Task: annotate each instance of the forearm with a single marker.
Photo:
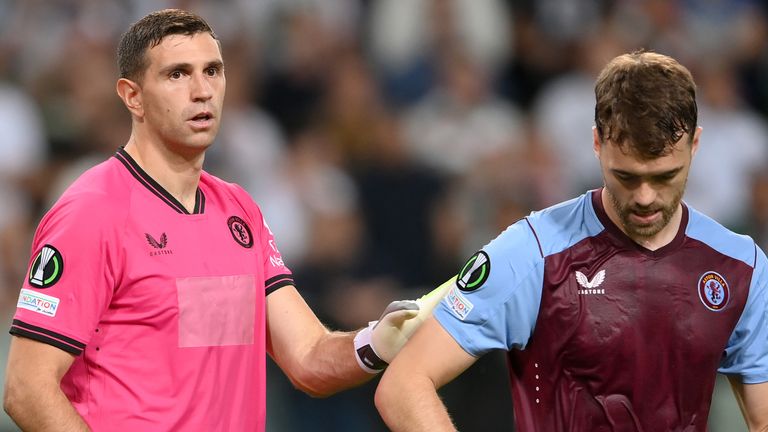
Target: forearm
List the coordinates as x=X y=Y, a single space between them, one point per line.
x=412 y=405
x=321 y=362
x=44 y=409
x=33 y=396
x=753 y=401
x=330 y=366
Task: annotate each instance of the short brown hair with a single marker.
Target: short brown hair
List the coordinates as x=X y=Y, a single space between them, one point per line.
x=148 y=32
x=645 y=103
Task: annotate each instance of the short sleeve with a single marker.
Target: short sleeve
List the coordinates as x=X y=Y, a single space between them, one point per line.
x=71 y=275
x=497 y=295
x=276 y=273
x=746 y=354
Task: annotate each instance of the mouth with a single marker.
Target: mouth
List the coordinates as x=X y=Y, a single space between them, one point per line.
x=645 y=218
x=202 y=120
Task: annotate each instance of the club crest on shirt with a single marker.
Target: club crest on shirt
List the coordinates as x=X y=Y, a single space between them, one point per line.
x=475 y=272
x=714 y=292
x=47 y=267
x=240 y=231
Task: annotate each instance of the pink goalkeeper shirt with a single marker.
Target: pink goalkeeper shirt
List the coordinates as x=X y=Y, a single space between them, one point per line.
x=165 y=310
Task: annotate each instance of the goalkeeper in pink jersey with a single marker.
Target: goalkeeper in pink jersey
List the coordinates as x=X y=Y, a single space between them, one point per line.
x=155 y=290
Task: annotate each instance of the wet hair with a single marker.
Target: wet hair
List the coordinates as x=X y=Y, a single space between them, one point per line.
x=148 y=32
x=645 y=103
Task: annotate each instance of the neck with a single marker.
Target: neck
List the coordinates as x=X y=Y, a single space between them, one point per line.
x=658 y=240
x=179 y=174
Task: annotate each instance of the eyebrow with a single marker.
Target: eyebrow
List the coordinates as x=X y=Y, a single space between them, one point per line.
x=669 y=173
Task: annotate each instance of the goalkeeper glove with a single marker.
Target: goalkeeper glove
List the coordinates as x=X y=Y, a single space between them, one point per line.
x=377 y=344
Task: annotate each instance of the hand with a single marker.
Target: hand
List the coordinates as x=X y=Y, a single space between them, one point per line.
x=379 y=343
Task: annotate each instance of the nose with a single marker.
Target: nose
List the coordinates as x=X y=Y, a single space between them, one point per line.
x=201 y=89
x=645 y=195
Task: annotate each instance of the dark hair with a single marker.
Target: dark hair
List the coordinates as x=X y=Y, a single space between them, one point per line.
x=645 y=103
x=148 y=32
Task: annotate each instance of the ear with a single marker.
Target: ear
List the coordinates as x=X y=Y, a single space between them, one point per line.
x=695 y=142
x=595 y=142
x=130 y=92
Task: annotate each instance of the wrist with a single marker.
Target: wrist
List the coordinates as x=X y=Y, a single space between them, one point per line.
x=365 y=355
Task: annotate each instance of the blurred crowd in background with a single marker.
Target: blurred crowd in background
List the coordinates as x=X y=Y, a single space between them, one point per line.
x=387 y=140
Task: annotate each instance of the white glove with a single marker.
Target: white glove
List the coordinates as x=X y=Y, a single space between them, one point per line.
x=379 y=343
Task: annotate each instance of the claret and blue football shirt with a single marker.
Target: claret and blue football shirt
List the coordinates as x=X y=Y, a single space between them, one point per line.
x=605 y=335
x=164 y=309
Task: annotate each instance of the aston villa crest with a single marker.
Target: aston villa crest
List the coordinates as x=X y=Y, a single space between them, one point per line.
x=713 y=291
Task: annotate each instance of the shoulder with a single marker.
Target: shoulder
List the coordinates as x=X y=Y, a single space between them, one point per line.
x=95 y=202
x=219 y=186
x=98 y=192
x=545 y=232
x=710 y=232
x=228 y=193
x=561 y=226
x=103 y=177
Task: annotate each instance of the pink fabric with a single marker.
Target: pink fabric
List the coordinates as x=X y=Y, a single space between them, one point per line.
x=216 y=311
x=172 y=329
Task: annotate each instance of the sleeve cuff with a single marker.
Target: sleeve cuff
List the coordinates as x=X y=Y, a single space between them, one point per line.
x=274 y=283
x=72 y=346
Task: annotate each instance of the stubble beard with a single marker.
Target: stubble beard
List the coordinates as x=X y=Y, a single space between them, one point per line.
x=645 y=231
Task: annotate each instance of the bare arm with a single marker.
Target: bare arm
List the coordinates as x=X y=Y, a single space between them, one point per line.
x=407 y=396
x=317 y=361
x=33 y=396
x=753 y=401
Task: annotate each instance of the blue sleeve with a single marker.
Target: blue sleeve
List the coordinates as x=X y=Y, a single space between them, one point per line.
x=496 y=299
x=747 y=352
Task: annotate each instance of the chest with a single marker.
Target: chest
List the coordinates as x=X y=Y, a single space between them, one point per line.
x=604 y=305
x=216 y=252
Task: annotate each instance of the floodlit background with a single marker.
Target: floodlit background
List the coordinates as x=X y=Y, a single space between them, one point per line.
x=386 y=140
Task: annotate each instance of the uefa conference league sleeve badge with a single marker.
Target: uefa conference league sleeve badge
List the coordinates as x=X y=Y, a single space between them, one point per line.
x=47 y=268
x=471 y=277
x=475 y=272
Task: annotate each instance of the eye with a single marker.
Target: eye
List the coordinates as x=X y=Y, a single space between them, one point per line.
x=175 y=75
x=664 y=178
x=214 y=70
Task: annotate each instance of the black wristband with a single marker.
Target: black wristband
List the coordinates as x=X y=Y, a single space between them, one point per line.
x=370 y=359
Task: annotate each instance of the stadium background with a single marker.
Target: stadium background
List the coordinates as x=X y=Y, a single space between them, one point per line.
x=386 y=140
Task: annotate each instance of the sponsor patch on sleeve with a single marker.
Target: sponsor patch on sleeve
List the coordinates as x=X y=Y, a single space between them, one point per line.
x=459 y=305
x=37 y=302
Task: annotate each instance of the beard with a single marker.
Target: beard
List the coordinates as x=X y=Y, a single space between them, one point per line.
x=637 y=230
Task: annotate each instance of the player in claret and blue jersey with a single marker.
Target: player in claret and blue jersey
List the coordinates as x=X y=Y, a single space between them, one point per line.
x=618 y=307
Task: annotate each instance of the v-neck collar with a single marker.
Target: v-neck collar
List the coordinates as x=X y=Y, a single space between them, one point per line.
x=623 y=238
x=153 y=186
